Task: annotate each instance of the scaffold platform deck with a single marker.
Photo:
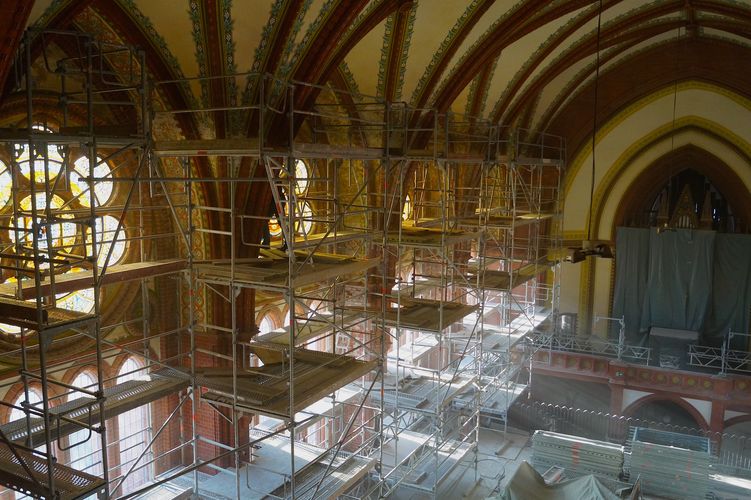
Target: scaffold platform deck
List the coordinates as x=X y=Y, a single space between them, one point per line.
x=345 y=471
x=427 y=237
x=31 y=478
x=26 y=315
x=504 y=280
x=265 y=390
x=85 y=410
x=315 y=326
x=273 y=272
x=427 y=315
x=79 y=280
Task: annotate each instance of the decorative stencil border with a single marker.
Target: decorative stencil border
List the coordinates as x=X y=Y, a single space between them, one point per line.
x=475 y=90
x=158 y=42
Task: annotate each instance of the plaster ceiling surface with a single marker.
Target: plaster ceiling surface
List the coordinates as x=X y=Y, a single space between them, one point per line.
x=521 y=62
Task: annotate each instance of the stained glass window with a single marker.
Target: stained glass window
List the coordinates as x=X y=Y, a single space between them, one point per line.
x=61 y=235
x=80 y=300
x=5 y=328
x=25 y=156
x=303 y=212
x=274 y=228
x=301 y=177
x=6 y=184
x=80 y=187
x=106 y=228
x=304 y=222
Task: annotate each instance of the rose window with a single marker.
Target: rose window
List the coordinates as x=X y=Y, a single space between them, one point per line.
x=62 y=191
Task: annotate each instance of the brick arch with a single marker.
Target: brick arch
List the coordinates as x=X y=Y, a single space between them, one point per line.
x=738 y=419
x=71 y=374
x=285 y=309
x=630 y=411
x=720 y=172
x=120 y=360
x=17 y=389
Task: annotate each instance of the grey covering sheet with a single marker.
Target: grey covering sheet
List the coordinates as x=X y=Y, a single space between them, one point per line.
x=683 y=279
x=527 y=484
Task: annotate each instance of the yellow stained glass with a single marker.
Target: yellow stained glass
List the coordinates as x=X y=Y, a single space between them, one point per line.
x=80 y=300
x=62 y=235
x=6 y=183
x=36 y=156
x=80 y=187
x=5 y=328
x=274 y=228
x=104 y=240
x=304 y=222
x=301 y=177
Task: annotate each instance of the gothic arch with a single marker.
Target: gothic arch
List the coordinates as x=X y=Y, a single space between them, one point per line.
x=647 y=184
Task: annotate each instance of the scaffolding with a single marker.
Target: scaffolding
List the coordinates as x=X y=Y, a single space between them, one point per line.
x=413 y=251
x=433 y=299
x=321 y=264
x=518 y=261
x=69 y=224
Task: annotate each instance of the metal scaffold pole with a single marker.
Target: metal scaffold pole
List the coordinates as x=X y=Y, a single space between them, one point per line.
x=410 y=248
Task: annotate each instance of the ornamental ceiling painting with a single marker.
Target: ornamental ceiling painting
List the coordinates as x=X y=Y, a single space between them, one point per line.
x=652 y=78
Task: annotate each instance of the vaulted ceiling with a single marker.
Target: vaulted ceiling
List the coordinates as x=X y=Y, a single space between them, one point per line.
x=530 y=63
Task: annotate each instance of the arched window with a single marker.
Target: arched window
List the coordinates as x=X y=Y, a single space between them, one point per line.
x=4 y=327
x=80 y=187
x=266 y=324
x=304 y=221
x=317 y=312
x=35 y=398
x=134 y=428
x=407 y=208
x=25 y=156
x=85 y=445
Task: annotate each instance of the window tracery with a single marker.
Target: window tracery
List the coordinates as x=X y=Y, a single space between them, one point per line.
x=303 y=209
x=63 y=192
